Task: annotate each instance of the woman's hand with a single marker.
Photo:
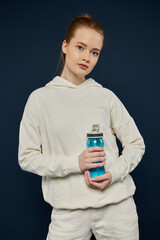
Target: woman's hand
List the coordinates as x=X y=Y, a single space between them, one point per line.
x=88 y=158
x=91 y=182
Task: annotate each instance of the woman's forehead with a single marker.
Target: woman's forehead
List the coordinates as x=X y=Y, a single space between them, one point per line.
x=88 y=36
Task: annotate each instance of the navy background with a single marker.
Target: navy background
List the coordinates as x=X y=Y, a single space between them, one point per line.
x=31 y=36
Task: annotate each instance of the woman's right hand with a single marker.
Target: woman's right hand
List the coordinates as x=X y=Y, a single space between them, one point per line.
x=88 y=158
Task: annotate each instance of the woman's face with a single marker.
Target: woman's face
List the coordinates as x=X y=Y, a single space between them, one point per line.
x=84 y=48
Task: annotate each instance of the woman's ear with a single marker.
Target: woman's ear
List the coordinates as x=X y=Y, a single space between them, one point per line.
x=64 y=46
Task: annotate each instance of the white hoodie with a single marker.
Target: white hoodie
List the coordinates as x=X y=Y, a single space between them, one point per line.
x=53 y=133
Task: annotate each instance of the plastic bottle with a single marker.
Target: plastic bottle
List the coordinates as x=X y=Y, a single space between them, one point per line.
x=95 y=139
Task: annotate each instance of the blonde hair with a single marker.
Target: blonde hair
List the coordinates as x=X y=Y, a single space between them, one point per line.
x=83 y=20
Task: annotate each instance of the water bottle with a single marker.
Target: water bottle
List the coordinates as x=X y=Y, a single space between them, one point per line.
x=95 y=139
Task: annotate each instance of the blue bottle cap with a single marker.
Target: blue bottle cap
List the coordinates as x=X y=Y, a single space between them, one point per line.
x=95 y=132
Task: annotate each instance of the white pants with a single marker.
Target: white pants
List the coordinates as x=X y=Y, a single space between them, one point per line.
x=110 y=222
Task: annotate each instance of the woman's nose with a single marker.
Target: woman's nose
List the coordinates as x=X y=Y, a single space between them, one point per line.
x=86 y=56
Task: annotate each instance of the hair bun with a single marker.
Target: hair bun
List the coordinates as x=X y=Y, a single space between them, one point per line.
x=86 y=15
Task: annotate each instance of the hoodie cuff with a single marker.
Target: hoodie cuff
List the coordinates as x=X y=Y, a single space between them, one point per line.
x=72 y=165
x=116 y=171
x=115 y=174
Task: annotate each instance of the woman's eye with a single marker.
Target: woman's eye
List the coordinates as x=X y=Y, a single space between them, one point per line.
x=79 y=47
x=95 y=53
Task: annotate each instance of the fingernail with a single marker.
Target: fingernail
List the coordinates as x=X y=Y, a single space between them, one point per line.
x=93 y=179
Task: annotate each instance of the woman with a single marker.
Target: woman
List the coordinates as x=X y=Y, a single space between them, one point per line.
x=52 y=144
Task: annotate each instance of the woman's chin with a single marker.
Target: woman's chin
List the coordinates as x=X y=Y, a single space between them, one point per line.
x=82 y=73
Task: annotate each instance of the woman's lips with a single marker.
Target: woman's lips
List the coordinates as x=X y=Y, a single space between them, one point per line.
x=82 y=66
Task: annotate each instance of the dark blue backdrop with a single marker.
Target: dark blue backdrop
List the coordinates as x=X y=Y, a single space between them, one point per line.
x=31 y=36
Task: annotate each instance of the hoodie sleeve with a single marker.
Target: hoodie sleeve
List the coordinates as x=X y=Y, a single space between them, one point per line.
x=124 y=127
x=30 y=156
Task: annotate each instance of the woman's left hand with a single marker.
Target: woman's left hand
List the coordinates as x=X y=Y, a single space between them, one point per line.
x=91 y=182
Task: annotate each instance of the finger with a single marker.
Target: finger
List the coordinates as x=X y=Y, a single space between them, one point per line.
x=85 y=175
x=101 y=185
x=95 y=165
x=109 y=174
x=96 y=159
x=101 y=177
x=90 y=181
x=97 y=154
x=95 y=148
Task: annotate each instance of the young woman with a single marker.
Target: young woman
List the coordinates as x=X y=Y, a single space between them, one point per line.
x=52 y=144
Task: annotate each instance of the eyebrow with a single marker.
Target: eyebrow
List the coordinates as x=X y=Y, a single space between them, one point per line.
x=86 y=45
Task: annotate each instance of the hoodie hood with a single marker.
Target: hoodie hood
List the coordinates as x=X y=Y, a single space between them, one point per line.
x=62 y=82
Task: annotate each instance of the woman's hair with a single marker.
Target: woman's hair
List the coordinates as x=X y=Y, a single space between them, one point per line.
x=83 y=20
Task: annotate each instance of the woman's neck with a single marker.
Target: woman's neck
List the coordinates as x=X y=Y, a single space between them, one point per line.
x=76 y=80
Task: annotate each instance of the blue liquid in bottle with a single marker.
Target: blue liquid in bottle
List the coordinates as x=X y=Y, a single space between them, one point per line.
x=95 y=139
